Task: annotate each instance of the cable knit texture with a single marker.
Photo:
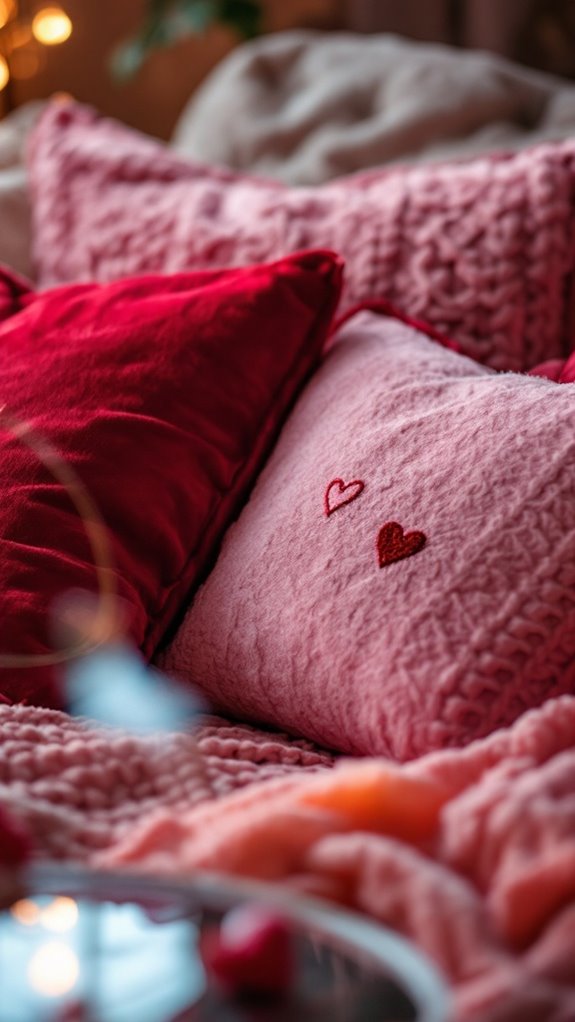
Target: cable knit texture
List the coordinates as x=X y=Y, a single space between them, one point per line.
x=484 y=250
x=425 y=609
x=470 y=853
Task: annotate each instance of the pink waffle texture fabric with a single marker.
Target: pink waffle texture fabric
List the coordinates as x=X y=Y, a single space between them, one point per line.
x=483 y=250
x=403 y=576
x=80 y=787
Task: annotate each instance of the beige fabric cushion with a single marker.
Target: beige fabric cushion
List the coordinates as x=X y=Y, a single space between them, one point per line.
x=309 y=106
x=15 y=228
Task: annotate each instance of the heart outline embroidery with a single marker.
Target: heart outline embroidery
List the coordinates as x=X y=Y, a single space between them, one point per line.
x=393 y=544
x=357 y=485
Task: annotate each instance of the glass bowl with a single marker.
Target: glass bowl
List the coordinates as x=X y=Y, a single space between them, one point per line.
x=85 y=946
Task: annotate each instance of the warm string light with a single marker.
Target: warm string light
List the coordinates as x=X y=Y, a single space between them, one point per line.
x=51 y=26
x=22 y=39
x=7 y=11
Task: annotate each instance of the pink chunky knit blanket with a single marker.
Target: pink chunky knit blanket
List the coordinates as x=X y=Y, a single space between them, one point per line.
x=470 y=852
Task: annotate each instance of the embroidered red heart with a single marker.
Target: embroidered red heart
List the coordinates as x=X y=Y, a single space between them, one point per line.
x=338 y=494
x=393 y=544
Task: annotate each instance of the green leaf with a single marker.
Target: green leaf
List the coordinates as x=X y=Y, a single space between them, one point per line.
x=198 y=15
x=245 y=16
x=170 y=20
x=127 y=59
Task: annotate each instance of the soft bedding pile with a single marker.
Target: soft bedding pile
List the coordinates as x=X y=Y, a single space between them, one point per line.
x=470 y=853
x=355 y=530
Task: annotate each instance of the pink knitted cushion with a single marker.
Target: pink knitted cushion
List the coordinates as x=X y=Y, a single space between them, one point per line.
x=403 y=576
x=483 y=250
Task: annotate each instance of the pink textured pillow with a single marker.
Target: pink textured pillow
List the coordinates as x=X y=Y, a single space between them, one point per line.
x=482 y=250
x=403 y=576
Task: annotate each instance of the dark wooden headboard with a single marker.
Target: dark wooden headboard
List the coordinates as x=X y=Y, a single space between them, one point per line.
x=540 y=33
x=491 y=24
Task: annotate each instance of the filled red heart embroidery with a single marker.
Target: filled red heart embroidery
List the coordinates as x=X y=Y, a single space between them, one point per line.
x=393 y=544
x=338 y=494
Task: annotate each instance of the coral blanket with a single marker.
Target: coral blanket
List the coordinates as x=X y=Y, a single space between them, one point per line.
x=470 y=853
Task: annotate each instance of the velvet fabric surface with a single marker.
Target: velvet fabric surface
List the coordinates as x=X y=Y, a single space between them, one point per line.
x=483 y=250
x=13 y=290
x=562 y=370
x=164 y=394
x=403 y=575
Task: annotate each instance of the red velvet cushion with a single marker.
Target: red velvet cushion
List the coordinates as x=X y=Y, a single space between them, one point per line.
x=165 y=394
x=12 y=289
x=562 y=370
x=568 y=372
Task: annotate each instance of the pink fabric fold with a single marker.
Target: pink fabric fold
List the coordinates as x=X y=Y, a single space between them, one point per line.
x=467 y=852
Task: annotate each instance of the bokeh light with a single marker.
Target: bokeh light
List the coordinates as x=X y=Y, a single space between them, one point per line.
x=19 y=33
x=7 y=8
x=51 y=26
x=26 y=912
x=60 y=915
x=4 y=74
x=26 y=61
x=54 y=969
